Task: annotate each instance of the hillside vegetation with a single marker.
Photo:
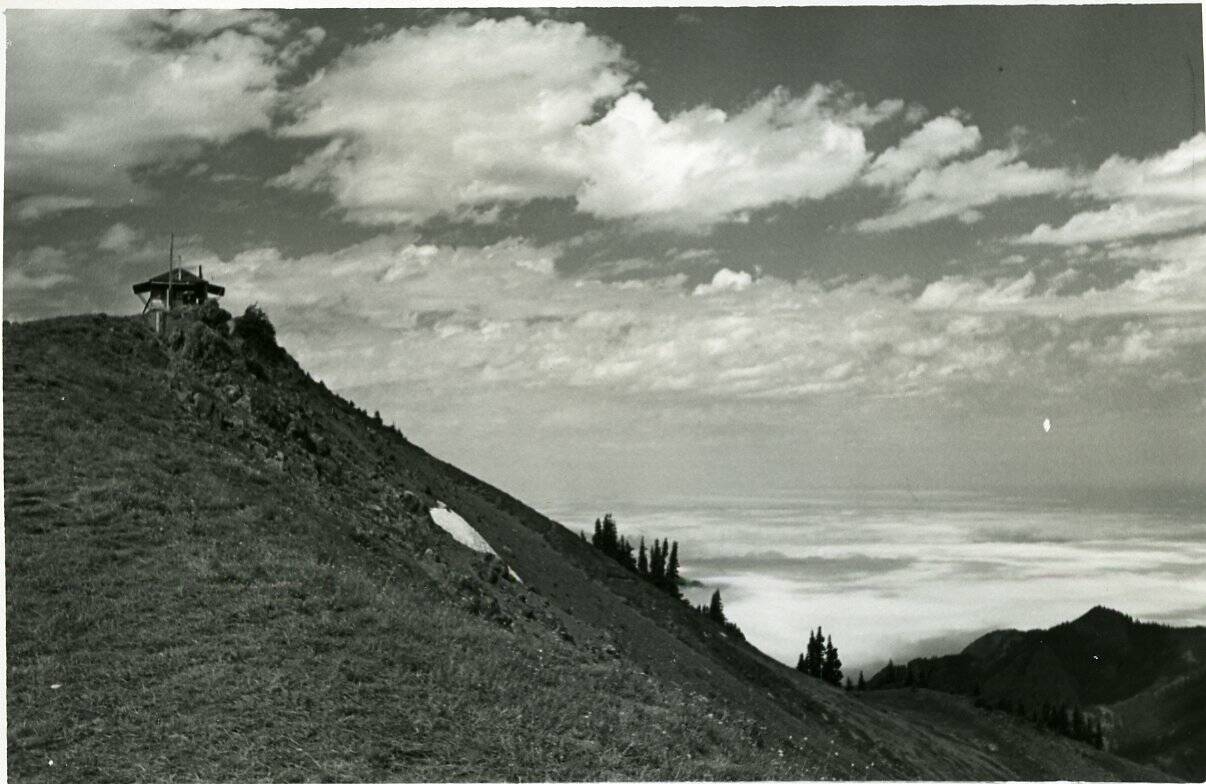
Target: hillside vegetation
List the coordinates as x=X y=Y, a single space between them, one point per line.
x=1142 y=684
x=217 y=569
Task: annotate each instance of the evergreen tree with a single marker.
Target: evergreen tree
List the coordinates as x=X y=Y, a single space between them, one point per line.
x=849 y=684
x=657 y=563
x=611 y=541
x=800 y=664
x=831 y=668
x=891 y=677
x=642 y=560
x=624 y=554
x=597 y=539
x=672 y=570
x=716 y=608
x=862 y=683
x=817 y=661
x=809 y=653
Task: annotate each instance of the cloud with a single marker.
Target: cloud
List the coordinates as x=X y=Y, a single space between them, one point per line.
x=704 y=166
x=1171 y=280
x=462 y=115
x=962 y=293
x=430 y=120
x=129 y=89
x=725 y=280
x=508 y=320
x=956 y=189
x=1164 y=194
x=940 y=139
x=119 y=238
x=40 y=269
x=38 y=207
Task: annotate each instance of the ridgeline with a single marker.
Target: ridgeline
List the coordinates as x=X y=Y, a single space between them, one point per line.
x=218 y=569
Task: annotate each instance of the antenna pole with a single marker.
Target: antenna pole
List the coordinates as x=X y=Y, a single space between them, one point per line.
x=171 y=262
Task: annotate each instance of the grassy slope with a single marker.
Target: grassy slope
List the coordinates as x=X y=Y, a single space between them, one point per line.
x=216 y=569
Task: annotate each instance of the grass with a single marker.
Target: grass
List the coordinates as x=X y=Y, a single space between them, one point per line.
x=218 y=570
x=179 y=611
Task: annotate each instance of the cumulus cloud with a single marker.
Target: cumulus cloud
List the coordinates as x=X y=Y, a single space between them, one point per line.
x=464 y=114
x=704 y=166
x=1164 y=194
x=939 y=140
x=725 y=279
x=430 y=120
x=958 y=188
x=119 y=89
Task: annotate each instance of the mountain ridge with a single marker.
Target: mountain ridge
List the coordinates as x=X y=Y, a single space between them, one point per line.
x=218 y=568
x=1121 y=672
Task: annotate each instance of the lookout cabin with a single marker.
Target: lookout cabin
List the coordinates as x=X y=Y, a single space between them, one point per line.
x=176 y=288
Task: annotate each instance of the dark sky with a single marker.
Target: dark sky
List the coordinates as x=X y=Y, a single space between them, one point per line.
x=757 y=247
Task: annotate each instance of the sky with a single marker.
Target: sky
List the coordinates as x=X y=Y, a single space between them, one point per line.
x=618 y=252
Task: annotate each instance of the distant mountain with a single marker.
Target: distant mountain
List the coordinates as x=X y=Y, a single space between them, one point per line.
x=1145 y=682
x=218 y=569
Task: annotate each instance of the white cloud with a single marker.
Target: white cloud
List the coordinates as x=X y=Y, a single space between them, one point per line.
x=704 y=166
x=1172 y=280
x=93 y=93
x=960 y=293
x=940 y=139
x=39 y=269
x=956 y=189
x=38 y=207
x=1164 y=194
x=460 y=115
x=119 y=238
x=433 y=119
x=725 y=279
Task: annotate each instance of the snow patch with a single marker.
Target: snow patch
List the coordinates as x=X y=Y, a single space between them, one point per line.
x=460 y=530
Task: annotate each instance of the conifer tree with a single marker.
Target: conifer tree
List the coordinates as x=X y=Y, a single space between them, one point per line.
x=862 y=683
x=597 y=539
x=809 y=654
x=624 y=554
x=610 y=536
x=657 y=568
x=831 y=668
x=642 y=560
x=672 y=570
x=849 y=684
x=716 y=608
x=891 y=673
x=800 y=664
x=817 y=661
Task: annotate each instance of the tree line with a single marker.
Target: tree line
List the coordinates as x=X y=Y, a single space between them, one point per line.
x=657 y=564
x=1072 y=723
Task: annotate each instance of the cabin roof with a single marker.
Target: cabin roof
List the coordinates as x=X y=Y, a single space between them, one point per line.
x=178 y=277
